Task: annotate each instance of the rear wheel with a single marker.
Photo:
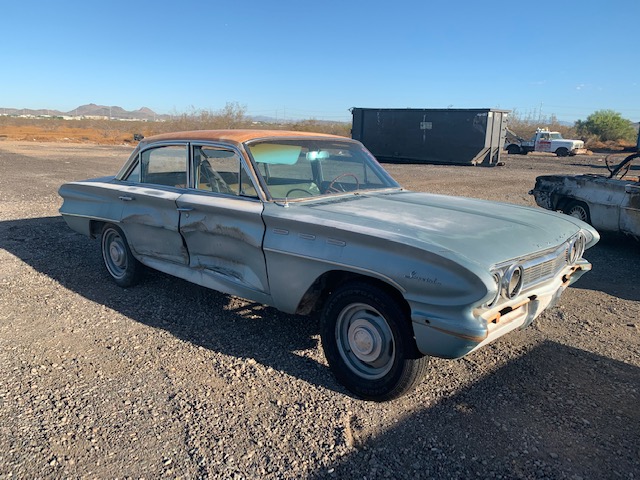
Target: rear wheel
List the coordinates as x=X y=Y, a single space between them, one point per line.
x=578 y=210
x=118 y=259
x=368 y=342
x=513 y=149
x=562 y=152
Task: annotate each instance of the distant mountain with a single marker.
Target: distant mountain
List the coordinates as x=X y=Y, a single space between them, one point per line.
x=90 y=110
x=30 y=112
x=115 y=112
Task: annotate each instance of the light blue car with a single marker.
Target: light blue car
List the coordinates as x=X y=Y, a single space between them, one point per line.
x=312 y=223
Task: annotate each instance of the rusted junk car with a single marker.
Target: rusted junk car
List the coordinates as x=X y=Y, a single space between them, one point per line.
x=609 y=203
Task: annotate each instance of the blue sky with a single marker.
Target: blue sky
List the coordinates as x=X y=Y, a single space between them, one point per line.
x=301 y=59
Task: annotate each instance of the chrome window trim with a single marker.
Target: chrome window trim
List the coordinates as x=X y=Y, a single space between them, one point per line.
x=135 y=156
x=376 y=166
x=243 y=162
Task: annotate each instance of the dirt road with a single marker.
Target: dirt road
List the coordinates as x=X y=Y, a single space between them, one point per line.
x=170 y=379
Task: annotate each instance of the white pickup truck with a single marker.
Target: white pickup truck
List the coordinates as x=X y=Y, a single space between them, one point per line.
x=543 y=141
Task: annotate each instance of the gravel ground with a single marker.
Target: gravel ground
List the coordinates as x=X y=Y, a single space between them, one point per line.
x=168 y=379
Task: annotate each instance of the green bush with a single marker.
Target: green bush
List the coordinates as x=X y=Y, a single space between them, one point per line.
x=606 y=126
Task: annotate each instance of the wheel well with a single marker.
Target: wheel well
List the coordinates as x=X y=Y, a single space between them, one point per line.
x=319 y=291
x=562 y=202
x=95 y=228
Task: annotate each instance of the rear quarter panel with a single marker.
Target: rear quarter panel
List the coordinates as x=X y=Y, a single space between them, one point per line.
x=88 y=200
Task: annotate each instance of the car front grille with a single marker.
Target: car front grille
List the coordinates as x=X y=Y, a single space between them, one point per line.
x=541 y=269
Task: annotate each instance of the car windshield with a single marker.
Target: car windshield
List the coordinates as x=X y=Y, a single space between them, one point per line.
x=301 y=168
x=556 y=136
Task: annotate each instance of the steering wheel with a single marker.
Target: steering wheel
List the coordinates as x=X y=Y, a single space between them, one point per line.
x=213 y=178
x=299 y=190
x=332 y=189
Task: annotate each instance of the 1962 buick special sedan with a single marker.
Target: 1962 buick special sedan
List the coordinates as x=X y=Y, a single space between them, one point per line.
x=312 y=223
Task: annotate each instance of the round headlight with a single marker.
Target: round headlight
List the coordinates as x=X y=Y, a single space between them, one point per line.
x=512 y=281
x=576 y=248
x=497 y=277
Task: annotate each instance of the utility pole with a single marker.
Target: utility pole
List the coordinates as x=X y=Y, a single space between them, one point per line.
x=540 y=113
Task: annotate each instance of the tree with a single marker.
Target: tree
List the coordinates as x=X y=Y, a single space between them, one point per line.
x=606 y=125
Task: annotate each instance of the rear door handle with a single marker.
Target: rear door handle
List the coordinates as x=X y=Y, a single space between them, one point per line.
x=125 y=198
x=185 y=209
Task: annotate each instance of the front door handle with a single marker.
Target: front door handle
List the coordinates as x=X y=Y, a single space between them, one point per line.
x=185 y=209
x=125 y=198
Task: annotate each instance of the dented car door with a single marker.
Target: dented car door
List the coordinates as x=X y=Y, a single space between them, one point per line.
x=149 y=215
x=221 y=222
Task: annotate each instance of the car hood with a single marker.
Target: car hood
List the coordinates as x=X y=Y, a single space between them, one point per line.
x=568 y=141
x=485 y=232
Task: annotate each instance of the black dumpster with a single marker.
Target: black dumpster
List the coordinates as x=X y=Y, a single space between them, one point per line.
x=415 y=135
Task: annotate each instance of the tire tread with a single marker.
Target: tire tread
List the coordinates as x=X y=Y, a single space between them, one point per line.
x=408 y=371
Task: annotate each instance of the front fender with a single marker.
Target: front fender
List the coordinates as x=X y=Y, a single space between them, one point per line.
x=295 y=260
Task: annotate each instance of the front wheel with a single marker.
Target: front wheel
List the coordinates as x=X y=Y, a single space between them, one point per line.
x=118 y=259
x=578 y=210
x=562 y=152
x=368 y=342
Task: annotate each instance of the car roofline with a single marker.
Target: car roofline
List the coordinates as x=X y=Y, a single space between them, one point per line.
x=235 y=136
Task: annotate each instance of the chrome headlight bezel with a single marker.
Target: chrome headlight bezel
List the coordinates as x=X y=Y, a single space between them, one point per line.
x=497 y=278
x=576 y=248
x=509 y=280
x=512 y=281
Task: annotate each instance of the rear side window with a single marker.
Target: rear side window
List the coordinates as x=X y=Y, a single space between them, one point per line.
x=161 y=166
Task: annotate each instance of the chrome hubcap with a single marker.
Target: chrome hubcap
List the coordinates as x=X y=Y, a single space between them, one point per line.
x=117 y=254
x=365 y=341
x=578 y=213
x=114 y=253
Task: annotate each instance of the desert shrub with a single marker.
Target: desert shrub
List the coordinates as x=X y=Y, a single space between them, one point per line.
x=231 y=116
x=606 y=126
x=525 y=125
x=335 y=128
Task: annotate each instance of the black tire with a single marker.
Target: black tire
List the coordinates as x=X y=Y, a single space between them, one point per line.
x=514 y=149
x=118 y=259
x=579 y=210
x=368 y=342
x=562 y=152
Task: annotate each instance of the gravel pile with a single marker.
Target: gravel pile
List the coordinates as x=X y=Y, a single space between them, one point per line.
x=168 y=379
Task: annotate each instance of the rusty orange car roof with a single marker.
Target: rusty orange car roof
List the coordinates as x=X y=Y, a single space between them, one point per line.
x=236 y=136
